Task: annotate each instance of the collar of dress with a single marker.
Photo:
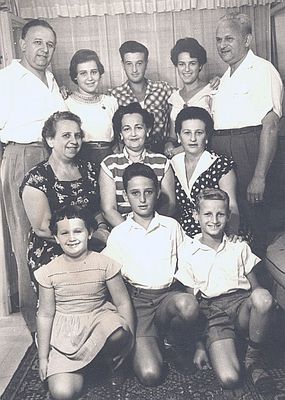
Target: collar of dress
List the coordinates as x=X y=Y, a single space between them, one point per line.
x=178 y=164
x=126 y=154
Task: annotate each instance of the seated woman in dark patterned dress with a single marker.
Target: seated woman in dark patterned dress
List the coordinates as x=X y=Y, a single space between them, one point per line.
x=197 y=168
x=62 y=180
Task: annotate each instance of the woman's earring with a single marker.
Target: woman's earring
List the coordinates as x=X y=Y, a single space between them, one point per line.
x=178 y=139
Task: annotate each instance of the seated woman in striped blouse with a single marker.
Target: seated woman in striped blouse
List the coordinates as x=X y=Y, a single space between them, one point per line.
x=132 y=124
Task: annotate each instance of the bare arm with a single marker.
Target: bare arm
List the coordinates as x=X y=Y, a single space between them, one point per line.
x=267 y=148
x=167 y=197
x=253 y=280
x=45 y=318
x=108 y=199
x=228 y=184
x=121 y=299
x=38 y=211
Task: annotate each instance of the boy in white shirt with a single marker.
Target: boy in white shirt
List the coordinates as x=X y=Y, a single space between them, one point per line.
x=147 y=246
x=221 y=272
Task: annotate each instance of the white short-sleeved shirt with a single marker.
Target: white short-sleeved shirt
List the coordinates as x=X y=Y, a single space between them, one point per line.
x=244 y=98
x=26 y=103
x=96 y=117
x=148 y=256
x=215 y=272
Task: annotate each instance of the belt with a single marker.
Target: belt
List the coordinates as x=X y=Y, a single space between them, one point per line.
x=137 y=290
x=36 y=144
x=99 y=144
x=238 y=131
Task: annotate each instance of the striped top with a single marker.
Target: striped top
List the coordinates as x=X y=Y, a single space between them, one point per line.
x=115 y=165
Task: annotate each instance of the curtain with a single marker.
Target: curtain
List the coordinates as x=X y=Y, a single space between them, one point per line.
x=158 y=31
x=84 y=8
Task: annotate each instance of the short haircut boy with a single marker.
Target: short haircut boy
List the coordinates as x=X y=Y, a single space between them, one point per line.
x=212 y=194
x=139 y=169
x=131 y=46
x=70 y=212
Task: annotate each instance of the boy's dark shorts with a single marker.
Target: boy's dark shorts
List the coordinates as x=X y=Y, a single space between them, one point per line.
x=150 y=305
x=221 y=315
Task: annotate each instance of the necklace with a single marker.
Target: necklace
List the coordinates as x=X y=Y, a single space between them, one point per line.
x=88 y=99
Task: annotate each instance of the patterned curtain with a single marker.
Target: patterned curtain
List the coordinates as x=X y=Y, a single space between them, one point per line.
x=84 y=8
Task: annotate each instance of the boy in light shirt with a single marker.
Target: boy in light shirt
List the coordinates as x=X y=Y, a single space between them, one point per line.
x=147 y=245
x=221 y=273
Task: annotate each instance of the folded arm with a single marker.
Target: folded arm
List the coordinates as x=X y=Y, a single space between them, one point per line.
x=38 y=211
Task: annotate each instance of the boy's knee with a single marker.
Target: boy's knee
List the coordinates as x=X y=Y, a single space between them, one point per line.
x=64 y=392
x=187 y=307
x=262 y=300
x=150 y=375
x=229 y=378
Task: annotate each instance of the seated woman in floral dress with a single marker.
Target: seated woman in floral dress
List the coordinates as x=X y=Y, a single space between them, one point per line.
x=62 y=180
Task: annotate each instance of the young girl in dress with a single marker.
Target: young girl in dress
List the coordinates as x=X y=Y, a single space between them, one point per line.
x=75 y=321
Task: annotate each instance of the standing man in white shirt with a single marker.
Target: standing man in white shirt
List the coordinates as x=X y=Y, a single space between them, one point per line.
x=29 y=95
x=246 y=110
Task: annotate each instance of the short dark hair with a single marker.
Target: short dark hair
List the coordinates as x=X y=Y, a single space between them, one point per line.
x=212 y=194
x=131 y=46
x=70 y=212
x=82 y=56
x=49 y=128
x=36 y=22
x=194 y=113
x=242 y=20
x=139 y=169
x=132 y=108
x=191 y=46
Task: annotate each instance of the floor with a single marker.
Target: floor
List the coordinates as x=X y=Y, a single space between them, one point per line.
x=15 y=339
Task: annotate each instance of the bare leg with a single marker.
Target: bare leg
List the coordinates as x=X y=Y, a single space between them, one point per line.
x=147 y=361
x=179 y=313
x=117 y=347
x=256 y=314
x=225 y=362
x=66 y=386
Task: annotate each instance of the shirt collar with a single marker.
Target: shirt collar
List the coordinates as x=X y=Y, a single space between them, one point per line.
x=247 y=62
x=22 y=71
x=127 y=88
x=197 y=245
x=156 y=222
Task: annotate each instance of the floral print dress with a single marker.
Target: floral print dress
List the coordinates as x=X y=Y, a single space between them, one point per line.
x=82 y=192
